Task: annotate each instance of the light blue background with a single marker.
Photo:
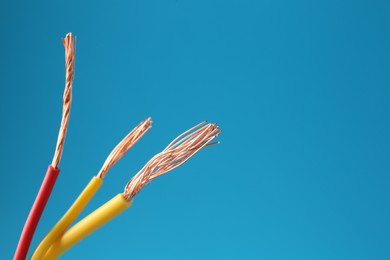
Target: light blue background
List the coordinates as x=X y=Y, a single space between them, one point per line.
x=300 y=89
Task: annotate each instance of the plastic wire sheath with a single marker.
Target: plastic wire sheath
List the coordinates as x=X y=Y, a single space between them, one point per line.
x=72 y=213
x=36 y=212
x=87 y=225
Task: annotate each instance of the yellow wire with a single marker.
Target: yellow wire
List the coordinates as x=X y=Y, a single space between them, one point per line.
x=87 y=225
x=72 y=213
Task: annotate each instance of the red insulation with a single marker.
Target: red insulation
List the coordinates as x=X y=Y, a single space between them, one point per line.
x=35 y=213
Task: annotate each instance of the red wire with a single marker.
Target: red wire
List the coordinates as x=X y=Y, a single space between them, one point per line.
x=36 y=212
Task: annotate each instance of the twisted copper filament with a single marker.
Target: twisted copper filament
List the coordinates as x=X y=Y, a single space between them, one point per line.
x=125 y=145
x=69 y=44
x=176 y=153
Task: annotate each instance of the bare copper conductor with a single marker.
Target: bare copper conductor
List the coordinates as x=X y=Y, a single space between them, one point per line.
x=176 y=153
x=69 y=44
x=125 y=145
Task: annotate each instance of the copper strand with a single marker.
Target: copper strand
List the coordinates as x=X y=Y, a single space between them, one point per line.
x=176 y=153
x=121 y=149
x=69 y=44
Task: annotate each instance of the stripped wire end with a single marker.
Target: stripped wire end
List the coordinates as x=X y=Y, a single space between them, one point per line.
x=121 y=149
x=176 y=153
x=70 y=49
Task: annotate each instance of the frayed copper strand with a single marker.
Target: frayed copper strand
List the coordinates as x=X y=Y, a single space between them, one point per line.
x=69 y=44
x=176 y=153
x=125 y=145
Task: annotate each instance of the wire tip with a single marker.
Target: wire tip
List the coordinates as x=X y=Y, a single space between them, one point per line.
x=176 y=153
x=69 y=45
x=124 y=146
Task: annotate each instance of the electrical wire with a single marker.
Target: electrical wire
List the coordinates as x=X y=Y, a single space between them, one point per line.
x=52 y=171
x=93 y=186
x=176 y=153
x=87 y=225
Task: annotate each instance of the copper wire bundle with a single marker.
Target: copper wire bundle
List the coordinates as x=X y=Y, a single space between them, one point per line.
x=122 y=148
x=175 y=154
x=70 y=50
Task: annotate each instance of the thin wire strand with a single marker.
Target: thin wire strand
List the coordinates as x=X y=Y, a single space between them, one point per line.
x=176 y=153
x=124 y=146
x=70 y=50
